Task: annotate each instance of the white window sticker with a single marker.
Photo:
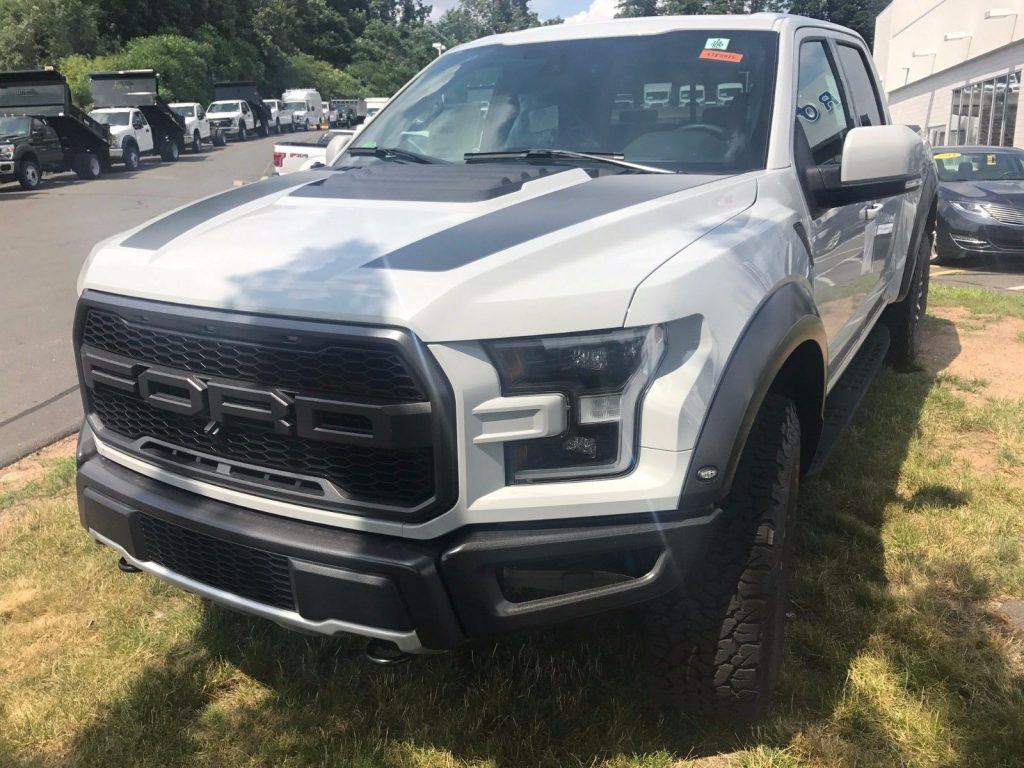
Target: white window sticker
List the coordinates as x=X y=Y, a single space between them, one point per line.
x=717 y=43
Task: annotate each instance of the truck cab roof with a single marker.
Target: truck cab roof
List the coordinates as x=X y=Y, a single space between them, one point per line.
x=656 y=25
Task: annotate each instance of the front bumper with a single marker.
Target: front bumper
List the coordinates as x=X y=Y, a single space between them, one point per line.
x=960 y=234
x=421 y=595
x=6 y=170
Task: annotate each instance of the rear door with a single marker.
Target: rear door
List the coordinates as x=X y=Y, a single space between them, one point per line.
x=842 y=273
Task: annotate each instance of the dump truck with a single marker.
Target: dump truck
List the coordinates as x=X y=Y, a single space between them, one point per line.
x=161 y=132
x=247 y=91
x=57 y=137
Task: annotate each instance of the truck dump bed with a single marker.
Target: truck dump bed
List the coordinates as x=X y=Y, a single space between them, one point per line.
x=139 y=88
x=245 y=90
x=45 y=93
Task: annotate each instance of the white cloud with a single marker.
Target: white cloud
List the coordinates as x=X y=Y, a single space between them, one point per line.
x=599 y=10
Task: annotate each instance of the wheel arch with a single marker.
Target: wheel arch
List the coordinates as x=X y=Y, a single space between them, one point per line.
x=924 y=225
x=783 y=349
x=30 y=155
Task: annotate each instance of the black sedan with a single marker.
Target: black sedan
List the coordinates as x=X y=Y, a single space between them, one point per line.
x=981 y=202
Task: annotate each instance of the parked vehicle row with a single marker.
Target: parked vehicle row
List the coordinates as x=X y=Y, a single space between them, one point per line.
x=42 y=131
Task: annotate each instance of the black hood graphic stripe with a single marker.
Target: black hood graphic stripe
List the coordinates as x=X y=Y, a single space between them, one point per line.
x=162 y=231
x=502 y=229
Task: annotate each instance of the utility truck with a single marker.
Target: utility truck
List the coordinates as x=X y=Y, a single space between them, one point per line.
x=43 y=132
x=198 y=130
x=522 y=353
x=238 y=109
x=140 y=122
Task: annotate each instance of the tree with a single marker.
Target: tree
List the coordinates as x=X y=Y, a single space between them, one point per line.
x=34 y=33
x=479 y=18
x=858 y=15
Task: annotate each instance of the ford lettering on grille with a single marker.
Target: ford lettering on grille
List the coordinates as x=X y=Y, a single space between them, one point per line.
x=220 y=401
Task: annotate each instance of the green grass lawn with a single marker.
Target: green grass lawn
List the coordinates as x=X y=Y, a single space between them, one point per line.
x=897 y=654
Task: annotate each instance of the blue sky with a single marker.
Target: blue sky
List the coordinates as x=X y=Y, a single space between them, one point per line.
x=580 y=9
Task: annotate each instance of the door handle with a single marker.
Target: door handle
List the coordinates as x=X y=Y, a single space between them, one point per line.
x=869 y=212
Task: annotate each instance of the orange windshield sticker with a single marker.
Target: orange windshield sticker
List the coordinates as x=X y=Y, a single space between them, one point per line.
x=733 y=58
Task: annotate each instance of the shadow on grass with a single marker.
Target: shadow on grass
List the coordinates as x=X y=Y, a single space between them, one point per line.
x=245 y=691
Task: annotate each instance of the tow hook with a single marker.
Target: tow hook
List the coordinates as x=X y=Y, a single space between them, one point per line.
x=125 y=567
x=386 y=653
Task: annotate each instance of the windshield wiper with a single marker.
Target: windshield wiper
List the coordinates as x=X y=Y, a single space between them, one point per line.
x=609 y=158
x=390 y=153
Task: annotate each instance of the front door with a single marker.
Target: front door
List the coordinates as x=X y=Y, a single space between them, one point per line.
x=842 y=245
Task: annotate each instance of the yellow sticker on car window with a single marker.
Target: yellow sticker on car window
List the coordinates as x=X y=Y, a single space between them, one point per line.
x=990 y=159
x=947 y=155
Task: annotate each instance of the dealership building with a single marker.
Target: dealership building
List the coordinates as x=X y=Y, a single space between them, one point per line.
x=953 y=68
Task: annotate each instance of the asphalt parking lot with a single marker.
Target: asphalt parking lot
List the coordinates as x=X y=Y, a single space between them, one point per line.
x=997 y=273
x=48 y=234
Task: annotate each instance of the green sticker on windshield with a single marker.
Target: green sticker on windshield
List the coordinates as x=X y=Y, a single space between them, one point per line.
x=717 y=44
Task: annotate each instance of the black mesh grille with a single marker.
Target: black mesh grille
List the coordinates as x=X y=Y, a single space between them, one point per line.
x=370 y=371
x=401 y=476
x=251 y=573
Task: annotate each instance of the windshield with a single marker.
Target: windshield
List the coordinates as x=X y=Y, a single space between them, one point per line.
x=295 y=106
x=15 y=126
x=980 y=166
x=225 y=106
x=110 y=118
x=185 y=111
x=627 y=96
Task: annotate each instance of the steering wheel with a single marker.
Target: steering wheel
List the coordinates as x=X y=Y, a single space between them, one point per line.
x=714 y=130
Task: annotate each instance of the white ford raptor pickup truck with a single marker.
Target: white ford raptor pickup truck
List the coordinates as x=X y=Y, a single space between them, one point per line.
x=535 y=346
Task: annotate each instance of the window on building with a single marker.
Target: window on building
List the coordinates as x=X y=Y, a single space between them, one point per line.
x=985 y=113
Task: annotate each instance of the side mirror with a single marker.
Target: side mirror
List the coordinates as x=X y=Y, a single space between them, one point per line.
x=335 y=147
x=878 y=162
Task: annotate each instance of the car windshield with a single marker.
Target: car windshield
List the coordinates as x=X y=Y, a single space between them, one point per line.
x=626 y=96
x=295 y=105
x=225 y=106
x=980 y=165
x=185 y=111
x=110 y=118
x=15 y=126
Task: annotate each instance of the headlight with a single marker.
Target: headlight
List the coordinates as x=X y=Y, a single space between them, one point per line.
x=6 y=151
x=603 y=377
x=978 y=209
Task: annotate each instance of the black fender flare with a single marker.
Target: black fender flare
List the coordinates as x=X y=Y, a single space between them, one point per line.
x=785 y=320
x=924 y=219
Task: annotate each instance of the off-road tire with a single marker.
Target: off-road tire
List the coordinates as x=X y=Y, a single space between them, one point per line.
x=277 y=126
x=291 y=127
x=904 y=317
x=29 y=174
x=130 y=157
x=243 y=134
x=87 y=166
x=219 y=139
x=197 y=143
x=715 y=644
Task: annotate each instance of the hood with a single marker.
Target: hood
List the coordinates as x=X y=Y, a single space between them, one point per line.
x=450 y=251
x=1005 y=192
x=8 y=138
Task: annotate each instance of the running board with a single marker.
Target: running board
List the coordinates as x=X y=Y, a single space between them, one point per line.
x=845 y=397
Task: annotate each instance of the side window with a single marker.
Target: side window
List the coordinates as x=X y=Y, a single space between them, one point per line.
x=200 y=113
x=862 y=86
x=37 y=126
x=137 y=123
x=245 y=108
x=822 y=116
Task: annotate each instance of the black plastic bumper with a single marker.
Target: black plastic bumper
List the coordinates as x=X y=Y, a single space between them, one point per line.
x=446 y=590
x=959 y=235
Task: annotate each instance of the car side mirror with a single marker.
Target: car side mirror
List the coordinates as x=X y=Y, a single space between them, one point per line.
x=878 y=162
x=334 y=148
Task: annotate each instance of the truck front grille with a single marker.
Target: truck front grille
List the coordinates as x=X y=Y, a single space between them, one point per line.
x=374 y=438
x=250 y=573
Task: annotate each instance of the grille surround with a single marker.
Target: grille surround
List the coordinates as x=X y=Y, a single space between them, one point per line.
x=421 y=381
